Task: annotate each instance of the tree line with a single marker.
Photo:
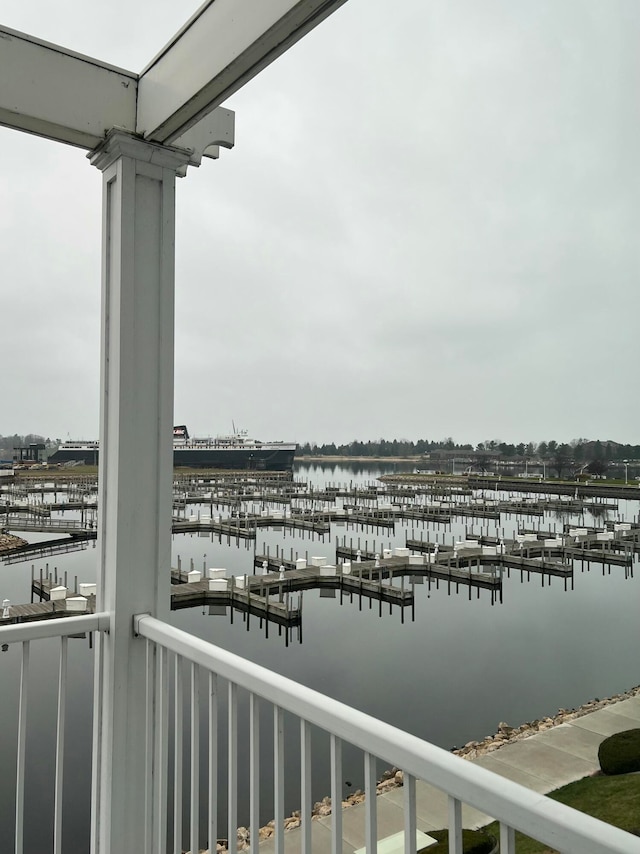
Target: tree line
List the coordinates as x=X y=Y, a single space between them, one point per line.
x=577 y=451
x=8 y=443
x=380 y=448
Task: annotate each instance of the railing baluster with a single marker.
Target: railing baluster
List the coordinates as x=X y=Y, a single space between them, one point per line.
x=149 y=745
x=254 y=772
x=305 y=785
x=507 y=839
x=371 y=817
x=194 y=814
x=22 y=743
x=178 y=706
x=232 y=842
x=455 y=826
x=160 y=769
x=213 y=761
x=409 y=790
x=62 y=697
x=96 y=747
x=336 y=795
x=278 y=778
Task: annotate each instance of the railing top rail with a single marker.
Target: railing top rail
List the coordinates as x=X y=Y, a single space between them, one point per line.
x=42 y=521
x=555 y=824
x=52 y=628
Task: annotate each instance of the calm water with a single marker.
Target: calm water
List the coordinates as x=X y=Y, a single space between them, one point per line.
x=449 y=676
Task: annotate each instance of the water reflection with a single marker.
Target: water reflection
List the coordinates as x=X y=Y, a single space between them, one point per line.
x=448 y=672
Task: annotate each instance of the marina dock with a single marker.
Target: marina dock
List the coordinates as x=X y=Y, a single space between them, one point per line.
x=367 y=577
x=362 y=568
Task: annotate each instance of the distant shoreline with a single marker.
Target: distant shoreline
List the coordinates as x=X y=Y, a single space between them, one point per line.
x=344 y=459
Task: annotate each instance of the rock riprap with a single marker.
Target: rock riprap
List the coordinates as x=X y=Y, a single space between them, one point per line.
x=9 y=542
x=393 y=777
x=507 y=734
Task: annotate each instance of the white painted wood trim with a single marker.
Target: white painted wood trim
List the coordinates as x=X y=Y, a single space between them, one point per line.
x=223 y=46
x=53 y=92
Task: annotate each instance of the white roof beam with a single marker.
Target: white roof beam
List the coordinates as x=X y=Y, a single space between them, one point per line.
x=57 y=93
x=224 y=45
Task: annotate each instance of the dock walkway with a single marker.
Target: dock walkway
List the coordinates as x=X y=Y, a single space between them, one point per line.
x=542 y=762
x=366 y=578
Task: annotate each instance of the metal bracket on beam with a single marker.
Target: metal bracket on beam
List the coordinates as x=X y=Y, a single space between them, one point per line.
x=205 y=138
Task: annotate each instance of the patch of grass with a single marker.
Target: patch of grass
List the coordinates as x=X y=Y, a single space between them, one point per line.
x=473 y=842
x=56 y=473
x=615 y=800
x=71 y=472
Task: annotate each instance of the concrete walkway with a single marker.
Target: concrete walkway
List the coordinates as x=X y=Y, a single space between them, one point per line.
x=542 y=762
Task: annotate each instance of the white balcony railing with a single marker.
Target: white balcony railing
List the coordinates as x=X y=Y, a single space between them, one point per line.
x=171 y=652
x=24 y=635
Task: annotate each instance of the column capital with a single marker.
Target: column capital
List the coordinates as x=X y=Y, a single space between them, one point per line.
x=119 y=143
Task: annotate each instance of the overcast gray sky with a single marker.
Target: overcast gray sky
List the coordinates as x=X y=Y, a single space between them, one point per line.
x=428 y=227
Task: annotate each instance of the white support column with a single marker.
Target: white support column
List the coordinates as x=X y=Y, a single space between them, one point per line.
x=136 y=466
